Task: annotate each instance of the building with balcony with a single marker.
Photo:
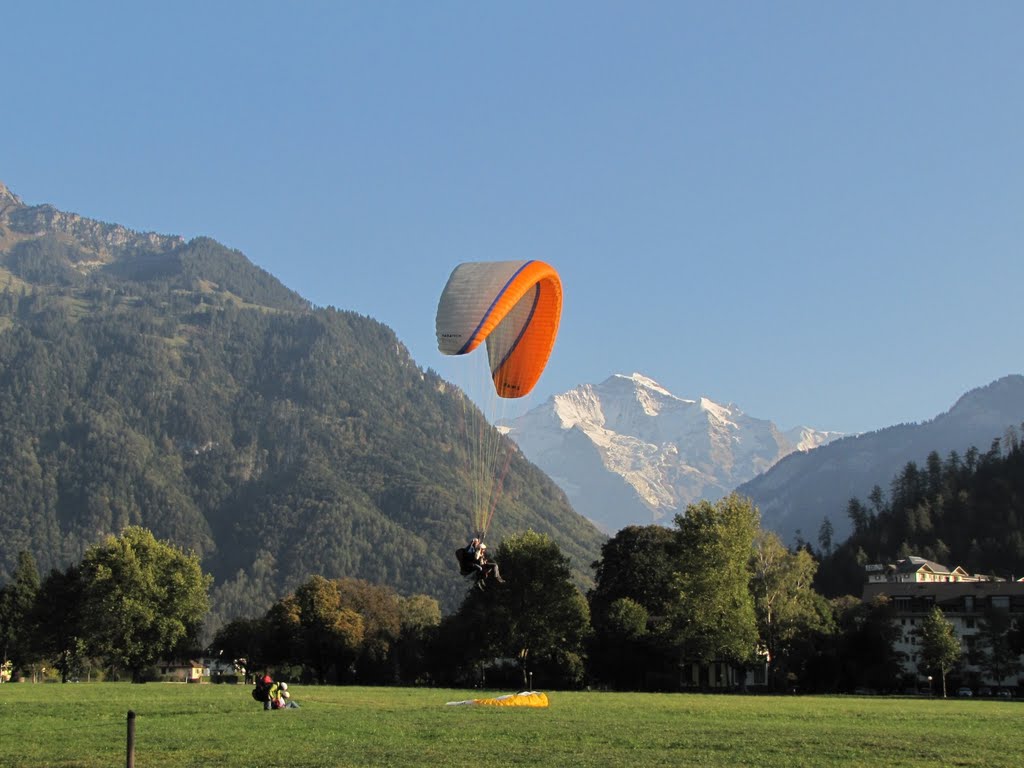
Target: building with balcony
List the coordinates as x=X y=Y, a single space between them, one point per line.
x=916 y=585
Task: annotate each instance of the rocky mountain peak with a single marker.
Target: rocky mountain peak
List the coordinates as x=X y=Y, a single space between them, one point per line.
x=93 y=237
x=628 y=451
x=8 y=199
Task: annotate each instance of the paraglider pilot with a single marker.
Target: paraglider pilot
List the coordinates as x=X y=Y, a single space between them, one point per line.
x=473 y=562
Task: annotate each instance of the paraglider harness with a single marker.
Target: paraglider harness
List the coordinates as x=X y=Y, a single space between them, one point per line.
x=468 y=565
x=468 y=557
x=262 y=690
x=472 y=562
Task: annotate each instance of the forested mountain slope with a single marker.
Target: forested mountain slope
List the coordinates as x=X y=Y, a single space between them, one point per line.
x=962 y=510
x=147 y=380
x=803 y=489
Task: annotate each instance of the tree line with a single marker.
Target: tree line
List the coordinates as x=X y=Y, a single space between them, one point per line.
x=963 y=510
x=666 y=603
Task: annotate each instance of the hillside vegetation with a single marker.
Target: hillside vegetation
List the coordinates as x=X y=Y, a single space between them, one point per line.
x=145 y=380
x=961 y=510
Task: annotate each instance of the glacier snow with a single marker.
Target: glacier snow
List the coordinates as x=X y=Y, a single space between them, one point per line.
x=629 y=452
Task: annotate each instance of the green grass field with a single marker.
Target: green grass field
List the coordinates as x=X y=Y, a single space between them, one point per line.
x=85 y=725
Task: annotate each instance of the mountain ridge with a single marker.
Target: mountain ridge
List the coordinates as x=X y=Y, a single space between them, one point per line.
x=26 y=222
x=798 y=493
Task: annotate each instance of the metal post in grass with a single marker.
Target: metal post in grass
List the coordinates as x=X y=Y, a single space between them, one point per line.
x=131 y=739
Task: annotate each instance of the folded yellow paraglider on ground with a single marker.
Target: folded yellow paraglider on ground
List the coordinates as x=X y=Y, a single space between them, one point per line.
x=521 y=699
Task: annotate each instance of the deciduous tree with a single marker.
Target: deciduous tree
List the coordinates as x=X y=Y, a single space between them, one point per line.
x=715 y=617
x=785 y=604
x=60 y=622
x=637 y=563
x=143 y=599
x=537 y=616
x=867 y=649
x=241 y=642
x=420 y=618
x=329 y=632
x=380 y=609
x=940 y=647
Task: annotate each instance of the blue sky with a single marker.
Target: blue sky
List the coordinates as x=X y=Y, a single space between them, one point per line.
x=812 y=210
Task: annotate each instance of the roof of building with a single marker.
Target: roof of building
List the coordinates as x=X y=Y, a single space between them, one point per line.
x=913 y=564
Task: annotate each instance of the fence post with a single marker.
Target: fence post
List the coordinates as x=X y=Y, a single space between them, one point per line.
x=131 y=739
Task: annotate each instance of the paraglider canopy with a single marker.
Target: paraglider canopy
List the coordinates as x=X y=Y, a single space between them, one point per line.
x=521 y=699
x=512 y=306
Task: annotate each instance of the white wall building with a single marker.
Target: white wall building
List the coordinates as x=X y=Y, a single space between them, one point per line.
x=916 y=585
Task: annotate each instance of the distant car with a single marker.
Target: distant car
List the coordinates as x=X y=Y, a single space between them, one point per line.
x=964 y=693
x=984 y=691
x=1004 y=694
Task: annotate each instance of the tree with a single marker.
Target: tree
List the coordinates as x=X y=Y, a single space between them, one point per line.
x=1016 y=637
x=59 y=621
x=537 y=616
x=420 y=619
x=996 y=653
x=16 y=617
x=379 y=607
x=240 y=641
x=142 y=599
x=329 y=631
x=858 y=515
x=636 y=563
x=867 y=651
x=621 y=651
x=633 y=580
x=825 y=533
x=940 y=648
x=785 y=604
x=715 y=618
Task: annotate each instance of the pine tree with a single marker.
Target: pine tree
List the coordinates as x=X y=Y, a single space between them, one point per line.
x=16 y=603
x=825 y=534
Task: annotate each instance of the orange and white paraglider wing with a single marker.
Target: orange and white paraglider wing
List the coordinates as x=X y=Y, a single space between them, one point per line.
x=513 y=306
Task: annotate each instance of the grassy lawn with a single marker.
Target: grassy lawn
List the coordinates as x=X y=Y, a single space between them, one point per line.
x=84 y=725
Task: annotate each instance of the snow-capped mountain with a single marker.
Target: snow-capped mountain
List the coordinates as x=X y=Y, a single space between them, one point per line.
x=627 y=451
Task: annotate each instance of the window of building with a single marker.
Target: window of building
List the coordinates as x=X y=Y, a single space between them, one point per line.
x=1001 y=601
